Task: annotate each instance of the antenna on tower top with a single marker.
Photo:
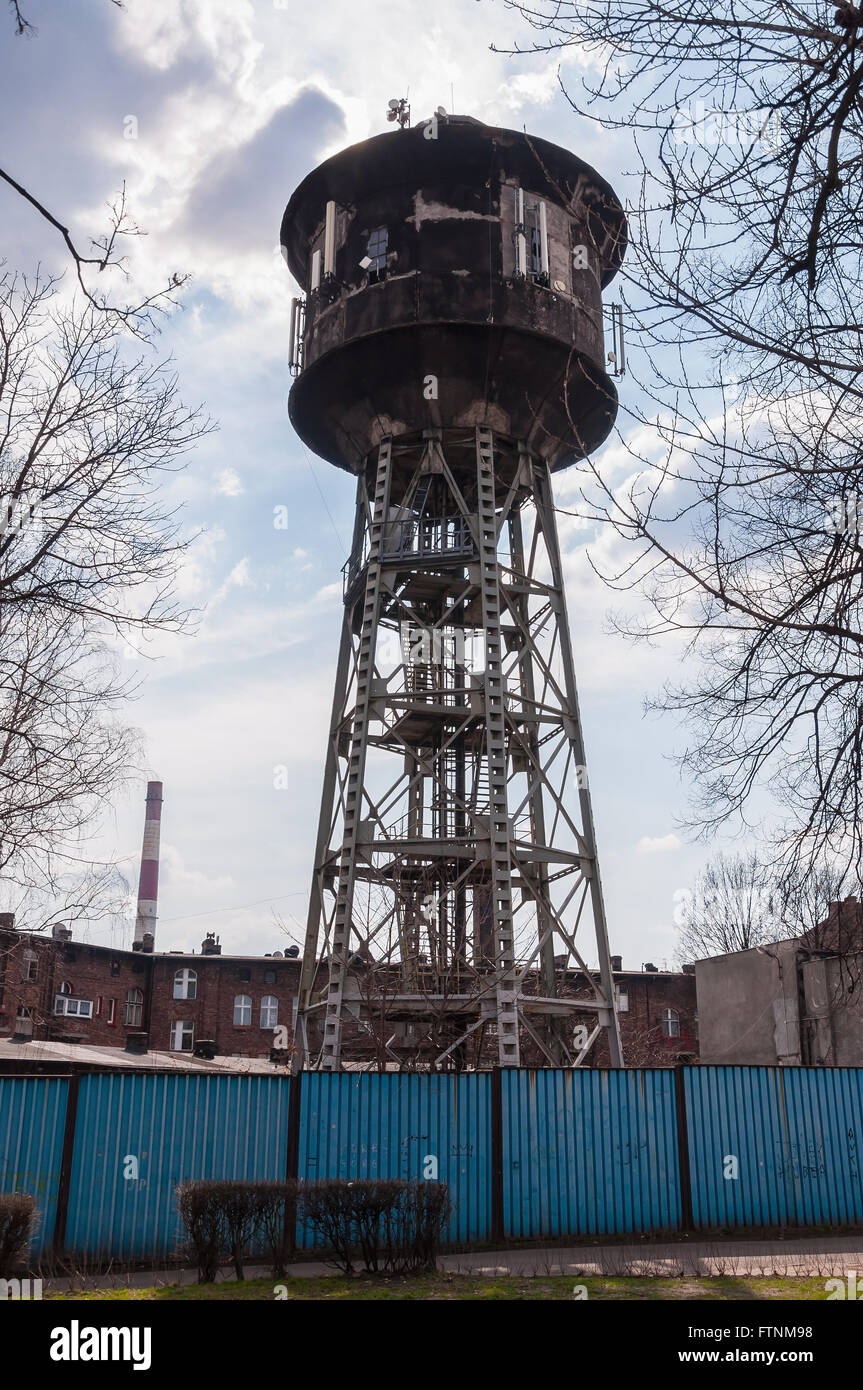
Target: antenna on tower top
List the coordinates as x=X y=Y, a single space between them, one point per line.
x=399 y=110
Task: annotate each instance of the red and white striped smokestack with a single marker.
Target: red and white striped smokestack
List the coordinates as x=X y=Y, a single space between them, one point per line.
x=148 y=884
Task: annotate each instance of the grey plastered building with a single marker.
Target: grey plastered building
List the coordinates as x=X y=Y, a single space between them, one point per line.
x=789 y=1003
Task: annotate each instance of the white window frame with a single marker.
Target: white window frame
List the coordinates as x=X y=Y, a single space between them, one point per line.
x=519 y=235
x=112 y=1011
x=23 y=1018
x=185 y=984
x=269 y=1011
x=621 y=999
x=29 y=967
x=670 y=1023
x=69 y=1006
x=242 y=1006
x=377 y=268
x=538 y=230
x=134 y=1008
x=180 y=1029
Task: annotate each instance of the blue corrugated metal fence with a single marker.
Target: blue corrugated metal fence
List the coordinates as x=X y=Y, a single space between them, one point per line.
x=32 y=1123
x=775 y=1146
x=404 y=1126
x=589 y=1152
x=176 y=1127
x=525 y=1154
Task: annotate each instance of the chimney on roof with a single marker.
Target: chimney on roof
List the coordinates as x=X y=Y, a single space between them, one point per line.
x=148 y=883
x=210 y=945
x=7 y=921
x=617 y=962
x=61 y=931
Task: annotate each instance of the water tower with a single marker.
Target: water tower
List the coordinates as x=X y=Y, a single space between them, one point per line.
x=448 y=351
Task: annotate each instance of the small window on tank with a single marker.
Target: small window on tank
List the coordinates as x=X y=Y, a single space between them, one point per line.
x=538 y=254
x=530 y=239
x=375 y=260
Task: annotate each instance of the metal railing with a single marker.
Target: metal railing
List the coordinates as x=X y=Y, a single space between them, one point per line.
x=415 y=538
x=425 y=537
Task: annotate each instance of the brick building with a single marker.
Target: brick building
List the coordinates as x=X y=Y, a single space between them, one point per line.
x=57 y=989
x=658 y=1016
x=236 y=1001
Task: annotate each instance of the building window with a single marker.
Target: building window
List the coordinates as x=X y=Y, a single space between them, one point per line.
x=269 y=1011
x=244 y=974
x=29 y=967
x=73 y=1008
x=375 y=262
x=622 y=1000
x=24 y=1022
x=186 y=984
x=269 y=977
x=134 y=1007
x=66 y=988
x=112 y=1011
x=242 y=1011
x=182 y=1035
x=670 y=1023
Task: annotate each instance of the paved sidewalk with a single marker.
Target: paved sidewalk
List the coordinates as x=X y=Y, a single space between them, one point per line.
x=800 y=1257
x=809 y=1256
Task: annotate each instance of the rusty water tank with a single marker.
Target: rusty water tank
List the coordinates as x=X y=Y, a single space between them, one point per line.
x=452 y=275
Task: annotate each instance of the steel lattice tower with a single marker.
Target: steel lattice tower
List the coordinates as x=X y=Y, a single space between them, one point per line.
x=449 y=352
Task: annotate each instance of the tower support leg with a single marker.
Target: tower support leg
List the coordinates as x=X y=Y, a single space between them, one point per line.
x=506 y=989
x=545 y=510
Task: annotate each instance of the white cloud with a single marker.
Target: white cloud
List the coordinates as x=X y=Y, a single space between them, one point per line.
x=238 y=578
x=175 y=874
x=329 y=591
x=662 y=844
x=302 y=560
x=228 y=483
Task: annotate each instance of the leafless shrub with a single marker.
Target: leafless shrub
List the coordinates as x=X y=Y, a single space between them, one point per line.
x=396 y=1225
x=17 y=1220
x=202 y=1208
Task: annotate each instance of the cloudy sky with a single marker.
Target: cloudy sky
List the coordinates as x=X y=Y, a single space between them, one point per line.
x=212 y=111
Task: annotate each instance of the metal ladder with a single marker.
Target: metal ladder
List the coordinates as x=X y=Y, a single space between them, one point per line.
x=506 y=991
x=423 y=487
x=332 y=1042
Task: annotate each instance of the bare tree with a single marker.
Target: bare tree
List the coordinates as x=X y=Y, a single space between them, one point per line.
x=105 y=251
x=739 y=901
x=24 y=28
x=88 y=555
x=742 y=289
